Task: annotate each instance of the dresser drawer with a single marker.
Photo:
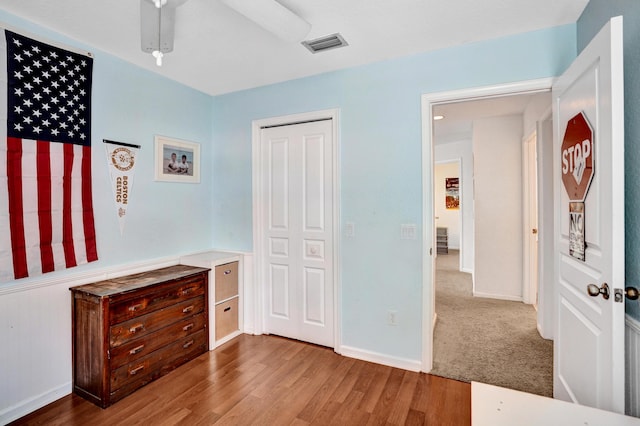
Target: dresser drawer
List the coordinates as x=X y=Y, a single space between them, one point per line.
x=133 y=375
x=226 y=281
x=152 y=301
x=226 y=318
x=138 y=348
x=145 y=324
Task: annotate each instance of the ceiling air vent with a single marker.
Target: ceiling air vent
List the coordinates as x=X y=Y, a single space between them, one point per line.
x=321 y=44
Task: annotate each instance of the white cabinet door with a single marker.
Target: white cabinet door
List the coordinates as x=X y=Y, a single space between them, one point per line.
x=298 y=226
x=589 y=346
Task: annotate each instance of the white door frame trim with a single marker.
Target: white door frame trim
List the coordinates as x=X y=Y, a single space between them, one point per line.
x=428 y=101
x=259 y=232
x=529 y=289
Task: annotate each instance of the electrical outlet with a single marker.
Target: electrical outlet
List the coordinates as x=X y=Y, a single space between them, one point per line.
x=392 y=317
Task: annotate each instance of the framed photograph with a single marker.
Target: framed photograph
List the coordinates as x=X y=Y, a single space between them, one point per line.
x=176 y=160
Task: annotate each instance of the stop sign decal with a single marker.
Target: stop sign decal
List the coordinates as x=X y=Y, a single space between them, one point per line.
x=577 y=157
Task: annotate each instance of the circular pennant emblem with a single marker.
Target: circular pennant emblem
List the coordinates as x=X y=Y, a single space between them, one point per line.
x=122 y=159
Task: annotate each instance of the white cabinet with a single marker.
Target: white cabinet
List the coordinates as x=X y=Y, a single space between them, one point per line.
x=226 y=293
x=442 y=240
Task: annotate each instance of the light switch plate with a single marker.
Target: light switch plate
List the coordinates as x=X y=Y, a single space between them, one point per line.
x=350 y=229
x=408 y=231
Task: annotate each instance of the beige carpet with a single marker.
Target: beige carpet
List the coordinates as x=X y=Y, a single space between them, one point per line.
x=487 y=340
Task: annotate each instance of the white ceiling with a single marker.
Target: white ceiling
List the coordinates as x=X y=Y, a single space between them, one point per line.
x=457 y=124
x=218 y=50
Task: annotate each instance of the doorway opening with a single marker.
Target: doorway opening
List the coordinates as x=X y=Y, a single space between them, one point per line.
x=491 y=265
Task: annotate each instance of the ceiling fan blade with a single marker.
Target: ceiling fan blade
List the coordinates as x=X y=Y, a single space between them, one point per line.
x=156 y=27
x=273 y=17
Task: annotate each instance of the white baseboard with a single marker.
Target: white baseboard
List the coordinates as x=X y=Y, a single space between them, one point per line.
x=27 y=406
x=497 y=296
x=632 y=369
x=228 y=338
x=378 y=358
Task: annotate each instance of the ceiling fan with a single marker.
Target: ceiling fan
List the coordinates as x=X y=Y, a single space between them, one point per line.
x=157 y=22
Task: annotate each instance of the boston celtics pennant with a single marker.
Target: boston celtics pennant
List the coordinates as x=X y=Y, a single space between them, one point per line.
x=121 y=160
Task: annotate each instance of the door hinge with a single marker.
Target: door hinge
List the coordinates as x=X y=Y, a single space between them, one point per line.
x=431 y=251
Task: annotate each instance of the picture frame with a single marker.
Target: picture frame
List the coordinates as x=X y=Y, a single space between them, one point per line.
x=452 y=193
x=176 y=160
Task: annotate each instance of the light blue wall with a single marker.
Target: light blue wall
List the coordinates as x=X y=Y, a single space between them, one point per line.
x=380 y=164
x=596 y=14
x=381 y=167
x=132 y=105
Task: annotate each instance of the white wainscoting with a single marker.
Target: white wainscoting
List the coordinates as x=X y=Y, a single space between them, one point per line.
x=632 y=355
x=35 y=334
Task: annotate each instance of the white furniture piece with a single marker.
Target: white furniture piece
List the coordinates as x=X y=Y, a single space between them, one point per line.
x=442 y=240
x=225 y=293
x=496 y=406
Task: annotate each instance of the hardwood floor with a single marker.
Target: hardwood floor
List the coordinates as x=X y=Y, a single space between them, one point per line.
x=270 y=380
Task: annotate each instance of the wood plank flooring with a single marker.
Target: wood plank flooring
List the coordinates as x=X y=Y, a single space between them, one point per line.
x=269 y=380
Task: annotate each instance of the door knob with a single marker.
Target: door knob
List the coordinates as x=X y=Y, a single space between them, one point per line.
x=595 y=291
x=632 y=293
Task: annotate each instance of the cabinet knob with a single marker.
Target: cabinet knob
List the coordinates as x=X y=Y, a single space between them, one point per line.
x=136 y=328
x=136 y=350
x=135 y=307
x=135 y=370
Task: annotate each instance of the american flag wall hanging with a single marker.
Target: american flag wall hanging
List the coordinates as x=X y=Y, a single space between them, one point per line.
x=46 y=208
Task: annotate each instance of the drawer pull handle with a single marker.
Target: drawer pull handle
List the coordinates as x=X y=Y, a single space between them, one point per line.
x=227 y=272
x=134 y=308
x=186 y=345
x=135 y=370
x=136 y=350
x=136 y=328
x=187 y=327
x=227 y=309
x=187 y=291
x=187 y=309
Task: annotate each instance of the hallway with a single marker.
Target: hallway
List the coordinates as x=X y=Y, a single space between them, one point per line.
x=487 y=340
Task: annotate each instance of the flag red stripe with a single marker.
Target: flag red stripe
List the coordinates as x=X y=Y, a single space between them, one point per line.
x=45 y=224
x=67 y=226
x=87 y=205
x=16 y=214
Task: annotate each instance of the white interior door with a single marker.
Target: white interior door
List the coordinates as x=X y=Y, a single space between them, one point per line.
x=589 y=340
x=298 y=231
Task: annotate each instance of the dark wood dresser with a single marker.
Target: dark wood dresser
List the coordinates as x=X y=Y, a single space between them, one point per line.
x=131 y=330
